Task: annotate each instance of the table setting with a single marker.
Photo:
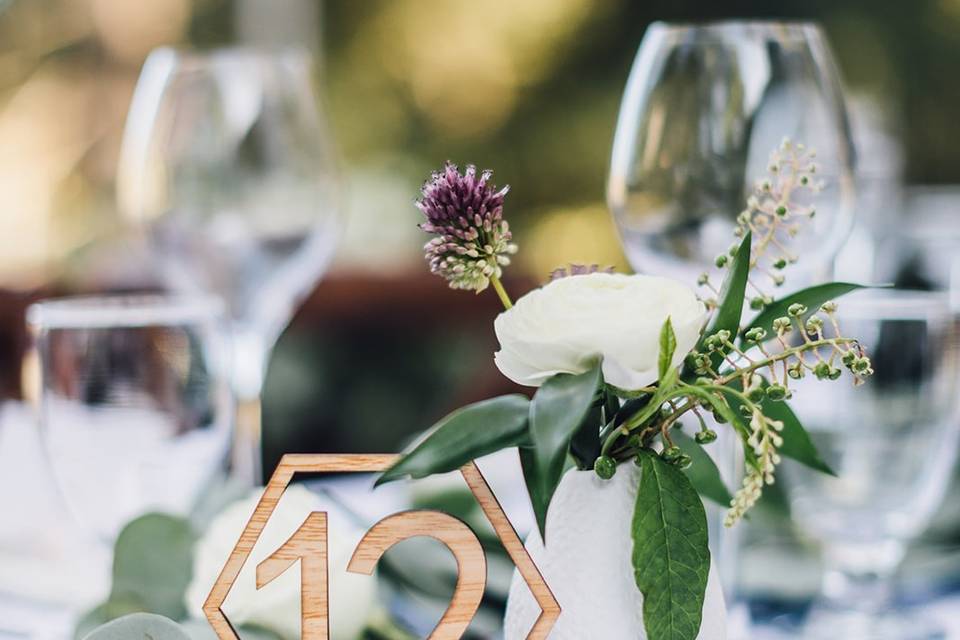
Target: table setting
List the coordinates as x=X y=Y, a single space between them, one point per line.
x=339 y=354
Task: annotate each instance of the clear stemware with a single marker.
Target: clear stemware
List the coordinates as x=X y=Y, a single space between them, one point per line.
x=227 y=165
x=892 y=444
x=704 y=106
x=135 y=407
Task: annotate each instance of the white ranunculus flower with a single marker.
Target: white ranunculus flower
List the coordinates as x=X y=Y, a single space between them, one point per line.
x=276 y=606
x=564 y=326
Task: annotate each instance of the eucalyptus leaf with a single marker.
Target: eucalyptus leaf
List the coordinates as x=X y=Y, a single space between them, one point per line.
x=139 y=626
x=466 y=434
x=671 y=559
x=556 y=413
x=668 y=346
x=703 y=473
x=153 y=564
x=811 y=297
x=103 y=613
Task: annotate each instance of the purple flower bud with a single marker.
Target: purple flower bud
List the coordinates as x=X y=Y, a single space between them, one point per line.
x=465 y=212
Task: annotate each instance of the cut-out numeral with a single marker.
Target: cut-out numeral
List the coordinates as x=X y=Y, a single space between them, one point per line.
x=462 y=542
x=308 y=544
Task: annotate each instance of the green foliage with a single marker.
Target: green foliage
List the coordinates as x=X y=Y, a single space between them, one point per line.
x=811 y=298
x=139 y=626
x=464 y=435
x=556 y=413
x=796 y=441
x=730 y=301
x=668 y=346
x=153 y=564
x=703 y=473
x=671 y=559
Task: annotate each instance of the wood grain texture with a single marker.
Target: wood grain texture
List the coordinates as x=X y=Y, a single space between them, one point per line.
x=308 y=544
x=459 y=538
x=549 y=607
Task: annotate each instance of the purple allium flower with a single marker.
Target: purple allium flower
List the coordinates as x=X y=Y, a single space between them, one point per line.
x=465 y=212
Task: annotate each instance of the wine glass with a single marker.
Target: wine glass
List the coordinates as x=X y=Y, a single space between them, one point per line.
x=226 y=163
x=892 y=443
x=704 y=106
x=135 y=407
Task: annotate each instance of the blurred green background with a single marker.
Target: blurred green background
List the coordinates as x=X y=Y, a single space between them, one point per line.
x=530 y=89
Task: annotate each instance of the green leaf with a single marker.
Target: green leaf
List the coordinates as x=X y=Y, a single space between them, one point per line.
x=671 y=560
x=796 y=441
x=811 y=298
x=153 y=564
x=729 y=302
x=466 y=434
x=559 y=407
x=668 y=345
x=139 y=626
x=703 y=473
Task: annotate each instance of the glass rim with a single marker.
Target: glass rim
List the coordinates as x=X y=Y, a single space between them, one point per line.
x=795 y=29
x=122 y=310
x=888 y=303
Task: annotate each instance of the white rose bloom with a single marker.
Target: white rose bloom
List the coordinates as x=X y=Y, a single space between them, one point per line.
x=564 y=326
x=276 y=606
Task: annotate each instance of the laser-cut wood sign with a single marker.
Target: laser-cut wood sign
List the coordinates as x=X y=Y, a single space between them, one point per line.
x=308 y=545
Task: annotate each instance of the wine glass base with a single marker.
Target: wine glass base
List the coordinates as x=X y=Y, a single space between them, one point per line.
x=823 y=624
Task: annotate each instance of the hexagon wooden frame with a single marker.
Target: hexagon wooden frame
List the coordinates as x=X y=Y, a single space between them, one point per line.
x=291 y=464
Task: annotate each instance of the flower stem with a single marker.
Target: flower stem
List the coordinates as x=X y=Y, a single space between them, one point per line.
x=501 y=292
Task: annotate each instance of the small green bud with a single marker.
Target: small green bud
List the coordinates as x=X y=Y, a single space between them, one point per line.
x=804 y=180
x=821 y=370
x=782 y=324
x=756 y=334
x=781 y=263
x=703 y=279
x=701 y=381
x=757 y=303
x=756 y=394
x=796 y=309
x=781 y=211
x=723 y=335
x=684 y=461
x=814 y=324
x=862 y=365
x=605 y=467
x=721 y=260
x=776 y=392
x=778 y=279
x=849 y=359
x=796 y=371
x=829 y=306
x=671 y=454
x=834 y=373
x=706 y=436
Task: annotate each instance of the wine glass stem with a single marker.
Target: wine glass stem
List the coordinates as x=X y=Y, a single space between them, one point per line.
x=251 y=352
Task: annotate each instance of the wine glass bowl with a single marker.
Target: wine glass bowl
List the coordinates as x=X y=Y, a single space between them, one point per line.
x=703 y=108
x=227 y=167
x=134 y=406
x=892 y=443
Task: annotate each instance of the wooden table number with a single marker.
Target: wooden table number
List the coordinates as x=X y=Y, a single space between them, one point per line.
x=308 y=545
